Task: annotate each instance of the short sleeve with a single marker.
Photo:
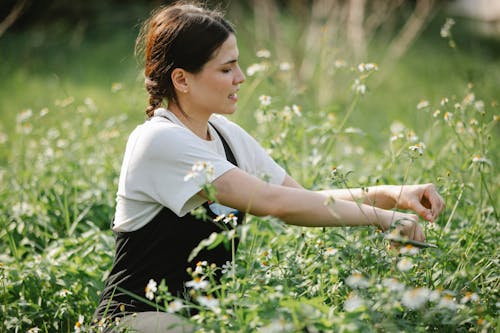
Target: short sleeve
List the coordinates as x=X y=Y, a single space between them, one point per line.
x=169 y=165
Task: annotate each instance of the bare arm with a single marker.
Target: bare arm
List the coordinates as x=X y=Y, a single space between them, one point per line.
x=299 y=206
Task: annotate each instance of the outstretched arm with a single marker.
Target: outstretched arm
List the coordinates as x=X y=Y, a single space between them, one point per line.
x=302 y=207
x=421 y=198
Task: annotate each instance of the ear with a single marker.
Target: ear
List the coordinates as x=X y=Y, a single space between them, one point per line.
x=179 y=80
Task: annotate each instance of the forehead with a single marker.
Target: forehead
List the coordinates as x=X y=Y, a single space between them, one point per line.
x=226 y=52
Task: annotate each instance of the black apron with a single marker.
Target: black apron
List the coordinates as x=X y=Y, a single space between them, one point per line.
x=159 y=251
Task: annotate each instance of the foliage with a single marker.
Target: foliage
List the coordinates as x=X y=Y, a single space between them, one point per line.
x=58 y=176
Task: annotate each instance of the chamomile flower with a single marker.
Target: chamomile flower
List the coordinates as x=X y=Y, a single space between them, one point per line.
x=197 y=283
x=175 y=306
x=393 y=284
x=409 y=249
x=330 y=251
x=263 y=53
x=265 y=100
x=79 y=324
x=448 y=302
x=356 y=280
x=415 y=298
x=208 y=301
x=34 y=330
x=151 y=289
x=405 y=264
x=199 y=267
x=353 y=303
x=469 y=297
x=422 y=104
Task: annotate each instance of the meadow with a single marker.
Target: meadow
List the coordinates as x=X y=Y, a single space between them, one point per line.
x=69 y=99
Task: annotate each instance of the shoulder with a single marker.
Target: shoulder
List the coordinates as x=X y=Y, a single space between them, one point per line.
x=156 y=134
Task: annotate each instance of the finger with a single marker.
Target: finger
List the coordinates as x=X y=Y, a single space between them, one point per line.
x=421 y=210
x=419 y=234
x=435 y=200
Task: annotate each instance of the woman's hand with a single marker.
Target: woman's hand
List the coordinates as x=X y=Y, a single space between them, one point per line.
x=422 y=199
x=406 y=225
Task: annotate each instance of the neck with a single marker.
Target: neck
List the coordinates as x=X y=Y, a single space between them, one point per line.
x=197 y=123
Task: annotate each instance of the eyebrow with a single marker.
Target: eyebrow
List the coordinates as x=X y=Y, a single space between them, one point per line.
x=232 y=61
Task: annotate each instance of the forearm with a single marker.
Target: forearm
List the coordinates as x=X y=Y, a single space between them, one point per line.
x=383 y=196
x=319 y=209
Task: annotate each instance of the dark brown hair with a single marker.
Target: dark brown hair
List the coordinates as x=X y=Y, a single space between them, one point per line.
x=183 y=35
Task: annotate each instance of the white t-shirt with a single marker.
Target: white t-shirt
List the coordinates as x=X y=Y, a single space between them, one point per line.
x=160 y=154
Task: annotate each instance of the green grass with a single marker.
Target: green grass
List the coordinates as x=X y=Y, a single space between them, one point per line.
x=59 y=165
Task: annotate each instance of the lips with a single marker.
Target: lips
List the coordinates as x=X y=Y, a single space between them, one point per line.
x=233 y=97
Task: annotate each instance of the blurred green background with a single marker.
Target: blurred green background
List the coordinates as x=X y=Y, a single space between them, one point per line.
x=60 y=49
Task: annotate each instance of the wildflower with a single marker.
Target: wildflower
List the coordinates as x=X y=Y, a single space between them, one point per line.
x=479 y=106
x=409 y=249
x=285 y=66
x=33 y=330
x=469 y=99
x=208 y=301
x=263 y=53
x=419 y=148
x=297 y=110
x=358 y=87
x=478 y=159
x=151 y=289
x=330 y=252
x=469 y=297
x=367 y=67
x=404 y=265
x=473 y=122
x=356 y=280
x=265 y=100
x=422 y=104
x=23 y=116
x=78 y=325
x=447 y=302
x=353 y=303
x=436 y=113
x=228 y=268
x=43 y=112
x=446 y=28
x=199 y=168
x=197 y=283
x=175 y=306
x=415 y=298
x=255 y=68
x=339 y=63
x=496 y=118
x=411 y=136
x=448 y=116
x=64 y=293
x=444 y=101
x=393 y=284
x=199 y=267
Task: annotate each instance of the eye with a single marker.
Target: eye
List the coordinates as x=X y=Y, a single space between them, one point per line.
x=227 y=70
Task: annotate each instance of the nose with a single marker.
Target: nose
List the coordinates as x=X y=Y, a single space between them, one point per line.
x=239 y=77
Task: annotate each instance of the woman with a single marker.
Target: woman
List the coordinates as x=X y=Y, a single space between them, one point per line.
x=191 y=64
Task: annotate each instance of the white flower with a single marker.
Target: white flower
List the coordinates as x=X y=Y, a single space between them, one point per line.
x=472 y=297
x=422 y=104
x=228 y=268
x=200 y=168
x=78 y=325
x=277 y=326
x=447 y=302
x=64 y=293
x=356 y=280
x=393 y=284
x=285 y=66
x=478 y=159
x=208 y=301
x=263 y=53
x=23 y=116
x=33 y=330
x=367 y=67
x=197 y=283
x=415 y=298
x=405 y=265
x=265 y=100
x=297 y=110
x=353 y=302
x=256 y=68
x=445 y=29
x=199 y=267
x=151 y=289
x=330 y=252
x=409 y=249
x=358 y=87
x=418 y=148
x=175 y=306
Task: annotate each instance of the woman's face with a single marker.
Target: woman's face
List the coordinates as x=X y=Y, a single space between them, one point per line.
x=214 y=89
